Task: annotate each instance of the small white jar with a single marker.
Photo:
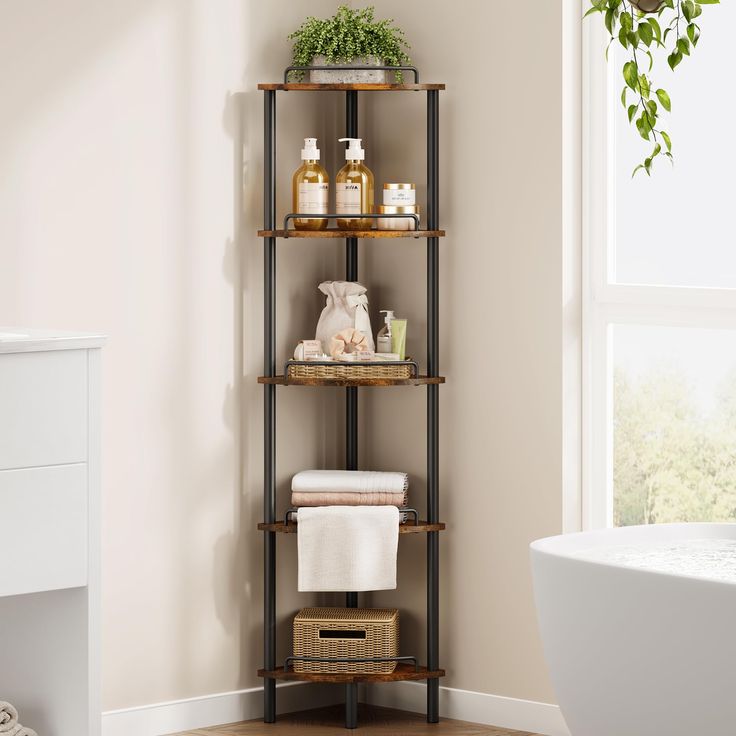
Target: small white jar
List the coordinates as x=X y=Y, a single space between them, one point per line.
x=397 y=223
x=400 y=195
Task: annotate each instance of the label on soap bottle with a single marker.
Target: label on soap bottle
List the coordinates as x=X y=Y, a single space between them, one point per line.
x=313 y=198
x=348 y=198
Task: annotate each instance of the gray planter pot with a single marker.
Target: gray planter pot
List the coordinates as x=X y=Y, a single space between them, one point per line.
x=347 y=76
x=648 y=6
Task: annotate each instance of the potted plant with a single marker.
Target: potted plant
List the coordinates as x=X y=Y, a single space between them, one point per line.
x=349 y=38
x=645 y=28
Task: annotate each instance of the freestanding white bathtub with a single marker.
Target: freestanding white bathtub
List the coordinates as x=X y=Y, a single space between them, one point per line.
x=633 y=652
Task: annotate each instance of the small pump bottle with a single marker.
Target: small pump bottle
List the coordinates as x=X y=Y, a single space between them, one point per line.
x=383 y=339
x=310 y=189
x=354 y=188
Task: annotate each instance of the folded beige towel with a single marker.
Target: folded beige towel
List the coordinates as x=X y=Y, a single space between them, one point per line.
x=8 y=717
x=349 y=498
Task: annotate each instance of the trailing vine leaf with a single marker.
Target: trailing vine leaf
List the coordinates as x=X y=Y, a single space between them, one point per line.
x=669 y=30
x=656 y=29
x=646 y=34
x=674 y=59
x=631 y=74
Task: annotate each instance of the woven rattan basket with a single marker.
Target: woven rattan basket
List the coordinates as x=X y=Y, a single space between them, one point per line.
x=404 y=369
x=346 y=632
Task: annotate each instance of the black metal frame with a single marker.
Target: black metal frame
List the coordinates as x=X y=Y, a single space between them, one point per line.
x=433 y=403
x=361 y=216
x=351 y=402
x=402 y=510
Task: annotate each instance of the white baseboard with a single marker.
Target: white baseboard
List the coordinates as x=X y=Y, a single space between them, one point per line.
x=465 y=705
x=212 y=710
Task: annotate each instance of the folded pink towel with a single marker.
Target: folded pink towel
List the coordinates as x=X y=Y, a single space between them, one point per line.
x=348 y=498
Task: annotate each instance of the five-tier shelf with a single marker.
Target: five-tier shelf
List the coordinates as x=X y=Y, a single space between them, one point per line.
x=432 y=380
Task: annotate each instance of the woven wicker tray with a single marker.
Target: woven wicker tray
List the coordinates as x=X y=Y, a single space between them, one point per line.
x=398 y=369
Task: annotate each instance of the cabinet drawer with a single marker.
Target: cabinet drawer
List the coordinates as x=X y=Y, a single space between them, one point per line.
x=43 y=529
x=43 y=408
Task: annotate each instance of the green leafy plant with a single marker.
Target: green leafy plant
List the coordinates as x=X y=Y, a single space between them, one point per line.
x=644 y=28
x=349 y=35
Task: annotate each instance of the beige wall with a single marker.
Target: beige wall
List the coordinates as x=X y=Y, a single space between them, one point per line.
x=130 y=141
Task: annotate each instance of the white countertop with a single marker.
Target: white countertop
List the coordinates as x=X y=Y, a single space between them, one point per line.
x=21 y=340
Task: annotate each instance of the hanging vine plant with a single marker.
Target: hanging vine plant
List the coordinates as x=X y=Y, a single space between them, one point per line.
x=645 y=28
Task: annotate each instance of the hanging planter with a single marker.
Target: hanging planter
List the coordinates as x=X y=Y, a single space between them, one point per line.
x=645 y=29
x=648 y=6
x=349 y=38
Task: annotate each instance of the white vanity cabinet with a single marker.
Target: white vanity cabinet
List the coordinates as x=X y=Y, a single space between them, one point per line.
x=50 y=529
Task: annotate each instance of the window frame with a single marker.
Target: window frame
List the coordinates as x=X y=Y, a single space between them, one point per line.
x=606 y=303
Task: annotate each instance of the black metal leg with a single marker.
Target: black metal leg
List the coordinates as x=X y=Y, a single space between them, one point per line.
x=269 y=413
x=351 y=397
x=433 y=548
x=351 y=706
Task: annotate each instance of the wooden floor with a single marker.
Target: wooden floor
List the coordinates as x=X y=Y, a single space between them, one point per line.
x=371 y=720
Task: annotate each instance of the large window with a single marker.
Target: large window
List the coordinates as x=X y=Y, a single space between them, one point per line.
x=660 y=294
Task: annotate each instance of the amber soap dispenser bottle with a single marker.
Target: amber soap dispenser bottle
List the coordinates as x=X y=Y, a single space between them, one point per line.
x=354 y=188
x=310 y=189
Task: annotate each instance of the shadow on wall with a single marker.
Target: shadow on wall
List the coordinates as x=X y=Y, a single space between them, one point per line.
x=232 y=590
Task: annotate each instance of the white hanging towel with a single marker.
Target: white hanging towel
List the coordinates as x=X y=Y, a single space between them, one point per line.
x=348 y=548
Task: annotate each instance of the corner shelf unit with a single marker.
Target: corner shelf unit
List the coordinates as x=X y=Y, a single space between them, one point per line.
x=271 y=526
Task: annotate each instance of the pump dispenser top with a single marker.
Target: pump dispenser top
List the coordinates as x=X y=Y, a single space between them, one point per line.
x=354 y=151
x=310 y=189
x=310 y=152
x=354 y=189
x=383 y=339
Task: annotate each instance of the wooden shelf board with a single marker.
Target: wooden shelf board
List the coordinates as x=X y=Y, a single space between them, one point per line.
x=308 y=87
x=409 y=528
x=362 y=234
x=343 y=382
x=402 y=672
